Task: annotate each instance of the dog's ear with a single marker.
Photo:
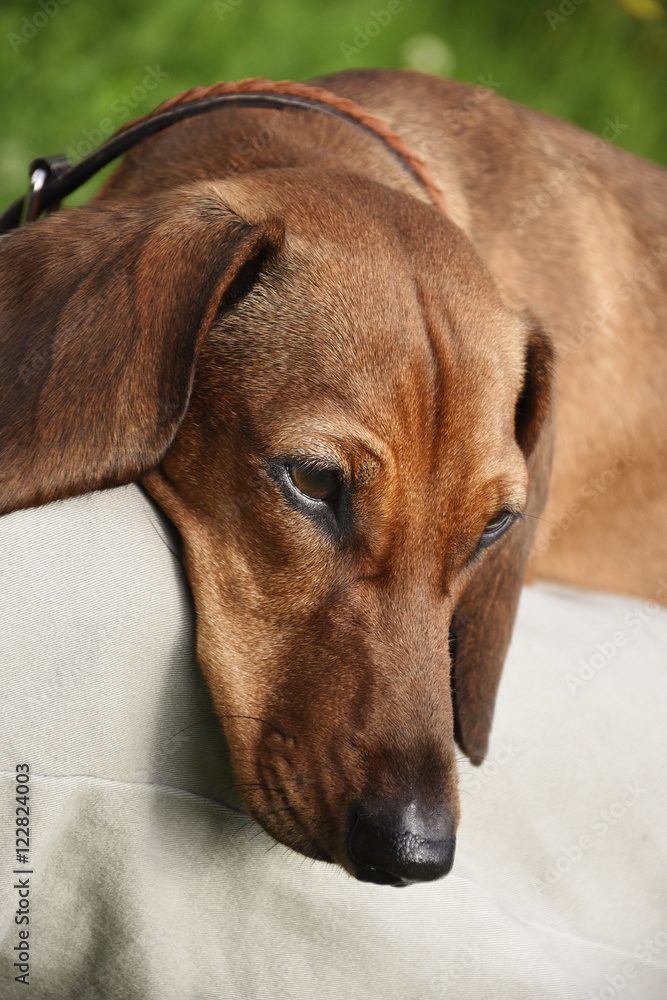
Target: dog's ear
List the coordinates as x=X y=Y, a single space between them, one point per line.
x=484 y=617
x=103 y=310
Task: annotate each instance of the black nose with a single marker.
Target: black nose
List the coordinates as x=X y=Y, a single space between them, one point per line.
x=398 y=846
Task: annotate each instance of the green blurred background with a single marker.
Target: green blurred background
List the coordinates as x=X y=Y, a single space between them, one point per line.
x=69 y=66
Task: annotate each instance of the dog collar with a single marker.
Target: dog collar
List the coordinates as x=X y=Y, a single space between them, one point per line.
x=52 y=178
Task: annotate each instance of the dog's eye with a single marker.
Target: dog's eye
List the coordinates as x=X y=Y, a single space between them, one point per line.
x=496 y=527
x=316 y=484
x=500 y=521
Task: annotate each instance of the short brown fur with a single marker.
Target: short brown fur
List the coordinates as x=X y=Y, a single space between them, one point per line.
x=258 y=287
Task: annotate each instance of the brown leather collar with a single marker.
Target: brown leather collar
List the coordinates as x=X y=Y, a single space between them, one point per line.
x=53 y=178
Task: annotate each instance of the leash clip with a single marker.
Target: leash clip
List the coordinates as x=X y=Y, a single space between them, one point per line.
x=41 y=171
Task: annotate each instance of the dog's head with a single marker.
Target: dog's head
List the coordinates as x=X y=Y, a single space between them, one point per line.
x=320 y=385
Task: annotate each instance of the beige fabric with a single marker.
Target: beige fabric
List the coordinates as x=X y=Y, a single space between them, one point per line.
x=148 y=882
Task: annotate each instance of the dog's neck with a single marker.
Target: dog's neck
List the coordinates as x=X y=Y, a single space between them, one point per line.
x=285 y=94
x=53 y=178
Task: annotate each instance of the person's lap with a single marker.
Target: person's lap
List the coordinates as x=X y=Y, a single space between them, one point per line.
x=147 y=880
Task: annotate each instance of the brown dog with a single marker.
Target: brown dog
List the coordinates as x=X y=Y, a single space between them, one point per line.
x=344 y=401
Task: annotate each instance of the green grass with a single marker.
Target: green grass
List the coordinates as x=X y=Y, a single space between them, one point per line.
x=598 y=62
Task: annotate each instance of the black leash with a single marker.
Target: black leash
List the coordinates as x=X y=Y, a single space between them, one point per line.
x=52 y=178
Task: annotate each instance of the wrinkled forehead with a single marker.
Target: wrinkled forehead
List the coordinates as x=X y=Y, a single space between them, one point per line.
x=378 y=301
